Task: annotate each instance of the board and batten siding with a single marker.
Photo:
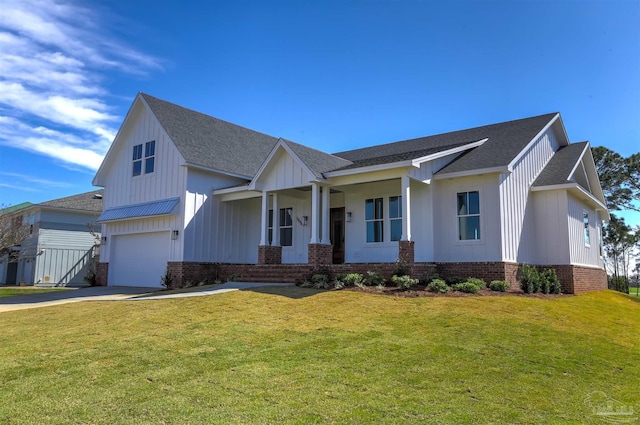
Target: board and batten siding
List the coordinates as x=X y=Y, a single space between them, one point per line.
x=582 y=253
x=518 y=224
x=168 y=179
x=447 y=246
x=216 y=231
x=283 y=172
x=551 y=231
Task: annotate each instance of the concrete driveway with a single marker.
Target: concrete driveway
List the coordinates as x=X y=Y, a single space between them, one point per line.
x=114 y=293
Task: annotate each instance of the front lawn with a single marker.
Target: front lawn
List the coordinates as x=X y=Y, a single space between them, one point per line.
x=293 y=355
x=25 y=290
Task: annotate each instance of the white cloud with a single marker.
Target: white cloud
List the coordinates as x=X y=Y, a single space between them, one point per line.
x=30 y=179
x=55 y=57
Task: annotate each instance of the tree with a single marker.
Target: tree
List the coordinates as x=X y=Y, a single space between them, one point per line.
x=619 y=177
x=619 y=241
x=13 y=231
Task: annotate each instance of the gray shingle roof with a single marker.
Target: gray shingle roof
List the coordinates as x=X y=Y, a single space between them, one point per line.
x=560 y=165
x=209 y=142
x=506 y=141
x=318 y=162
x=83 y=201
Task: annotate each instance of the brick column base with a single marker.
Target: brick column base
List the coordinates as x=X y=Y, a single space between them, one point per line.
x=185 y=272
x=406 y=252
x=320 y=254
x=268 y=254
x=102 y=274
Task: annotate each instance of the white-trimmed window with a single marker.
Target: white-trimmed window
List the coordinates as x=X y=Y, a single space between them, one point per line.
x=149 y=158
x=374 y=217
x=468 y=215
x=286 y=226
x=137 y=160
x=585 y=220
x=395 y=217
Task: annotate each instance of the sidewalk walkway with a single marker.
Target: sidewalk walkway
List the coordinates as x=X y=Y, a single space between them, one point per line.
x=114 y=293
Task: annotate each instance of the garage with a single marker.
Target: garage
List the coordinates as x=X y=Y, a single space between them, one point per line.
x=138 y=259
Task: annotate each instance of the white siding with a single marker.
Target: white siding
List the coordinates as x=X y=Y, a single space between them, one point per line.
x=518 y=231
x=283 y=172
x=582 y=253
x=422 y=221
x=447 y=247
x=356 y=246
x=551 y=231
x=211 y=227
x=168 y=179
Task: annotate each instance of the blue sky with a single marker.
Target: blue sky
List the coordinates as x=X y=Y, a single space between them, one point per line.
x=333 y=75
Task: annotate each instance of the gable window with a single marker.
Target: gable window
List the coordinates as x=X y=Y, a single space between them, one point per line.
x=374 y=219
x=585 y=220
x=395 y=217
x=286 y=226
x=468 y=216
x=137 y=160
x=149 y=156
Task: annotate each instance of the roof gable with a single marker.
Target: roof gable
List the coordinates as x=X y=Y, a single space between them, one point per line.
x=209 y=142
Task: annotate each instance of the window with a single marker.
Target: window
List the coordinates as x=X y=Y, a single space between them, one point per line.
x=585 y=219
x=286 y=226
x=270 y=226
x=395 y=217
x=149 y=156
x=600 y=239
x=374 y=219
x=468 y=216
x=137 y=160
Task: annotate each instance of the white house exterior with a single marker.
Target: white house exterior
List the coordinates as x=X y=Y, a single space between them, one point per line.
x=60 y=247
x=201 y=197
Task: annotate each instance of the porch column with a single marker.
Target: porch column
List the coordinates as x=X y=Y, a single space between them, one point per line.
x=315 y=212
x=264 y=225
x=275 y=238
x=325 y=215
x=406 y=209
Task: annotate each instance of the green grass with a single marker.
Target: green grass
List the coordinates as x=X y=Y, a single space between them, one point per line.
x=25 y=290
x=634 y=291
x=290 y=355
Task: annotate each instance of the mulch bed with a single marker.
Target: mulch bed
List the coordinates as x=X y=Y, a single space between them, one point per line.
x=422 y=291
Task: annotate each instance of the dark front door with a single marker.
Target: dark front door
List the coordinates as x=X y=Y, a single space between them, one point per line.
x=337 y=234
x=12 y=272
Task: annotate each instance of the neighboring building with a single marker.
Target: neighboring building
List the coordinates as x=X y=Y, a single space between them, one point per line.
x=60 y=247
x=201 y=197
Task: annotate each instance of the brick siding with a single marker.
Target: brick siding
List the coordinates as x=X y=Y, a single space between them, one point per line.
x=320 y=254
x=268 y=254
x=406 y=252
x=102 y=274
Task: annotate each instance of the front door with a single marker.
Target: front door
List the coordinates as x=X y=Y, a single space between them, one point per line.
x=337 y=234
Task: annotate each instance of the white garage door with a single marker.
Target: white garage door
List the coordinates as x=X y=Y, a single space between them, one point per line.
x=139 y=259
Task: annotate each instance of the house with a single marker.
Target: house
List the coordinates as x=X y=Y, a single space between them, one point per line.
x=200 y=197
x=59 y=248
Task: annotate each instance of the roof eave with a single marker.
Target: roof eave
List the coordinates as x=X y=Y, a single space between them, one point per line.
x=215 y=170
x=575 y=187
x=467 y=173
x=535 y=138
x=416 y=162
x=370 y=168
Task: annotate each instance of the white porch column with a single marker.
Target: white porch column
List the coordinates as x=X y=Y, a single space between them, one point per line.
x=315 y=212
x=264 y=228
x=406 y=208
x=275 y=238
x=325 y=215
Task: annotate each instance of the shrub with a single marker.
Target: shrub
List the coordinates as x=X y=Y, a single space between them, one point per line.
x=404 y=282
x=320 y=281
x=468 y=287
x=453 y=280
x=529 y=279
x=353 y=279
x=167 y=279
x=499 y=285
x=380 y=287
x=401 y=269
x=438 y=285
x=552 y=283
x=478 y=282
x=374 y=278
x=92 y=277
